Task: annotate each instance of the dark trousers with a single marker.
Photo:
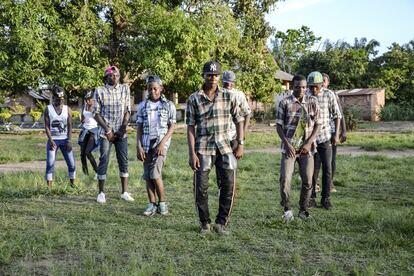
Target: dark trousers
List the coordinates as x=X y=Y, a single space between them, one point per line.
x=225 y=169
x=323 y=157
x=333 y=160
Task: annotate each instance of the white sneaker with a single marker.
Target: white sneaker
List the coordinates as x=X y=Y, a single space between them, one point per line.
x=163 y=208
x=127 y=197
x=101 y=198
x=151 y=209
x=95 y=177
x=288 y=216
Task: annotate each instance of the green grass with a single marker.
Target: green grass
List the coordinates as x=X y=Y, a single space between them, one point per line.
x=64 y=231
x=381 y=141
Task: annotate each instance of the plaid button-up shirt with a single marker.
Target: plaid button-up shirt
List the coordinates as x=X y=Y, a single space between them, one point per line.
x=243 y=107
x=112 y=103
x=289 y=113
x=332 y=122
x=212 y=119
x=329 y=110
x=167 y=117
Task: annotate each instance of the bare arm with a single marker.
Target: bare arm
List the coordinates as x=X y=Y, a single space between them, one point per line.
x=246 y=124
x=290 y=149
x=194 y=162
x=140 y=150
x=160 y=148
x=240 y=137
x=70 y=125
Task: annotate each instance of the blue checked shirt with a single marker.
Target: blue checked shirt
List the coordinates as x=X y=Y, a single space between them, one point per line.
x=289 y=113
x=111 y=103
x=167 y=117
x=329 y=110
x=212 y=120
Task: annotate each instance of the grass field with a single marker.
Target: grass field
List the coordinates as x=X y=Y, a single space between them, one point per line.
x=64 y=231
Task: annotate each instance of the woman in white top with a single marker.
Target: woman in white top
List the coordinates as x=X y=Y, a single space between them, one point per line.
x=88 y=139
x=58 y=127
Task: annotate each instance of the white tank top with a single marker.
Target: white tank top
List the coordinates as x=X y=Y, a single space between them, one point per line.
x=89 y=122
x=58 y=123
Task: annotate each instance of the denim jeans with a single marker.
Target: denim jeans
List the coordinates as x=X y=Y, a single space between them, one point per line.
x=121 y=149
x=51 y=158
x=324 y=155
x=287 y=165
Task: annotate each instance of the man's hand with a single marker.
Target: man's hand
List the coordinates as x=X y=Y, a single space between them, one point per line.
x=239 y=151
x=110 y=136
x=141 y=154
x=335 y=139
x=160 y=149
x=291 y=152
x=52 y=145
x=68 y=146
x=342 y=138
x=306 y=149
x=194 y=162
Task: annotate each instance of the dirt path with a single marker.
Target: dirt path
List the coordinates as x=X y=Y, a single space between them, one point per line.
x=352 y=151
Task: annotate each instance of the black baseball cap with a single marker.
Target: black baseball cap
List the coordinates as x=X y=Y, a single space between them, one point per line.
x=212 y=68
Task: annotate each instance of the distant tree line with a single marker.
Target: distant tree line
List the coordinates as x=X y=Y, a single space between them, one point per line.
x=70 y=42
x=356 y=65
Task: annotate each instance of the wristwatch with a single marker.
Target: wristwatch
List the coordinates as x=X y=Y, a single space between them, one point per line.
x=240 y=142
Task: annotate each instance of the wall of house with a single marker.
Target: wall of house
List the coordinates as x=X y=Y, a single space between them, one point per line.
x=369 y=105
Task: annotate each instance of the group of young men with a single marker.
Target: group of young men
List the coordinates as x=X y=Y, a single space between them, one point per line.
x=217 y=119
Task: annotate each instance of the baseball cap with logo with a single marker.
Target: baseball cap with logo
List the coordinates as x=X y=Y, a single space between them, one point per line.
x=229 y=76
x=111 y=70
x=212 y=68
x=58 y=92
x=153 y=78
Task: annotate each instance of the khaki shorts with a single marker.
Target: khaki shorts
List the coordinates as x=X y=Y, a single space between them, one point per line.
x=153 y=164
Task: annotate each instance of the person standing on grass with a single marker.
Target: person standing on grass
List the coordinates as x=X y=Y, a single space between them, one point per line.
x=112 y=109
x=58 y=128
x=297 y=124
x=156 y=118
x=208 y=113
x=329 y=110
x=342 y=129
x=89 y=136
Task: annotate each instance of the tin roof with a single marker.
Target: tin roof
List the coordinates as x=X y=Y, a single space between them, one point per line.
x=359 y=91
x=282 y=75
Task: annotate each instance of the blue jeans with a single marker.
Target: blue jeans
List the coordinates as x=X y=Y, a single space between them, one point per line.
x=121 y=149
x=51 y=158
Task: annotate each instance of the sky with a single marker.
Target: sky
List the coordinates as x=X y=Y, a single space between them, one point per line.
x=386 y=21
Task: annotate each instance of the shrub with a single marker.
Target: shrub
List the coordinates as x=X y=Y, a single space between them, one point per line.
x=397 y=112
x=36 y=115
x=5 y=115
x=76 y=115
x=352 y=117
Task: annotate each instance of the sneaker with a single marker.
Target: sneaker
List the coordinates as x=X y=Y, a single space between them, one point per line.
x=333 y=189
x=95 y=177
x=127 y=197
x=204 y=229
x=221 y=229
x=304 y=215
x=312 y=203
x=162 y=208
x=151 y=210
x=288 y=216
x=101 y=198
x=326 y=204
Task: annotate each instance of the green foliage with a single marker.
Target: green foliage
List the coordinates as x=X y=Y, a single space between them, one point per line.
x=18 y=109
x=397 y=112
x=5 y=114
x=289 y=47
x=76 y=115
x=352 y=117
x=70 y=42
x=36 y=115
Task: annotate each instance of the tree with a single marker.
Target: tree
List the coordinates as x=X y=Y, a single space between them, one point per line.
x=289 y=47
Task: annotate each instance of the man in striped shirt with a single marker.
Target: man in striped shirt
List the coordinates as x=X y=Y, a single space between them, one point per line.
x=207 y=117
x=328 y=110
x=112 y=111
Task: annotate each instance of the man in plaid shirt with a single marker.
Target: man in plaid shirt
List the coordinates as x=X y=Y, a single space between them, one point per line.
x=328 y=110
x=297 y=124
x=207 y=117
x=112 y=112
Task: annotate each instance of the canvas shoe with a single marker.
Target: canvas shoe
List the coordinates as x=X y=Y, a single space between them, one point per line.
x=288 y=216
x=304 y=215
x=127 y=197
x=150 y=210
x=163 y=208
x=221 y=230
x=204 y=229
x=101 y=198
